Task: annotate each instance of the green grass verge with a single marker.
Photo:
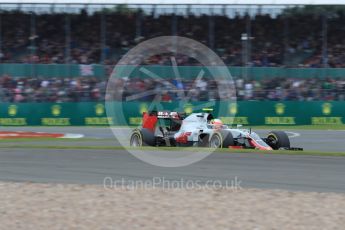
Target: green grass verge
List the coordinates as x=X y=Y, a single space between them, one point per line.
x=219 y=151
x=300 y=127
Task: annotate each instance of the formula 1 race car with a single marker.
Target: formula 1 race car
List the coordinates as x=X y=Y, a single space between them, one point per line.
x=201 y=130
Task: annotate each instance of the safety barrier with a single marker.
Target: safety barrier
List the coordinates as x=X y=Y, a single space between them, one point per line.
x=246 y=113
x=74 y=70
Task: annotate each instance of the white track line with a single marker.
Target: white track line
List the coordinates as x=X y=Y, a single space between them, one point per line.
x=72 y=136
x=293 y=134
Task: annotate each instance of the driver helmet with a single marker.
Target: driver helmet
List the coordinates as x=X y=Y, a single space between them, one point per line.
x=217 y=123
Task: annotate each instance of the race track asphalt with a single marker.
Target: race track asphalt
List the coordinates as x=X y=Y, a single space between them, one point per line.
x=291 y=172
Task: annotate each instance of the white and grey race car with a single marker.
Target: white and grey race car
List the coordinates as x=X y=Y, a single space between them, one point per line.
x=173 y=129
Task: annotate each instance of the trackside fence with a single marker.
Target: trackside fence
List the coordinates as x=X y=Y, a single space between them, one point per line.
x=129 y=113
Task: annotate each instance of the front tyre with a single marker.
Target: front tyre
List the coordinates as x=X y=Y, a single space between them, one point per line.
x=228 y=139
x=216 y=141
x=278 y=139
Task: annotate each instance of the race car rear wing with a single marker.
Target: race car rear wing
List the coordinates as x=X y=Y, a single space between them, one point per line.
x=166 y=114
x=150 y=119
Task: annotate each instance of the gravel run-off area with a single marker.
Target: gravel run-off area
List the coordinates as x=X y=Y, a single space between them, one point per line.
x=61 y=206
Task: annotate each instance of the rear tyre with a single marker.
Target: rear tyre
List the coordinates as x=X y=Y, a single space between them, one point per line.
x=136 y=139
x=142 y=137
x=203 y=140
x=278 y=139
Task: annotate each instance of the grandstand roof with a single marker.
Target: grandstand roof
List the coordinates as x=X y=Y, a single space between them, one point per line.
x=178 y=2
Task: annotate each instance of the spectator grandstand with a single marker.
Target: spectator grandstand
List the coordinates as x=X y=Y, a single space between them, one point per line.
x=305 y=37
x=295 y=37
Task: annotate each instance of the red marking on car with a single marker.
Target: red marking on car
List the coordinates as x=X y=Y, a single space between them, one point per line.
x=255 y=144
x=183 y=138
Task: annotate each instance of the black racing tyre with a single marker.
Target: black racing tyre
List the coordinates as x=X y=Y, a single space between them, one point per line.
x=216 y=141
x=228 y=139
x=136 y=139
x=278 y=139
x=142 y=137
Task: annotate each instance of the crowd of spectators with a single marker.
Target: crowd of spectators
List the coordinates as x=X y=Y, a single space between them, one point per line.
x=81 y=89
x=274 y=41
x=123 y=89
x=294 y=41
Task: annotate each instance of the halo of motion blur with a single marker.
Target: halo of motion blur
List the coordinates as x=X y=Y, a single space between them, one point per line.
x=131 y=64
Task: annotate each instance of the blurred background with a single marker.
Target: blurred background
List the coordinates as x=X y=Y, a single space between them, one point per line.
x=64 y=53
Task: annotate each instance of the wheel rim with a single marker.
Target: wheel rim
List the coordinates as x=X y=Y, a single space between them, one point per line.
x=215 y=142
x=135 y=140
x=273 y=140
